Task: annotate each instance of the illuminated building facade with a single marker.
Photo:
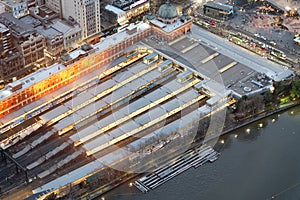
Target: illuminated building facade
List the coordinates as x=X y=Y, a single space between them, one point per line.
x=86 y=59
x=71 y=67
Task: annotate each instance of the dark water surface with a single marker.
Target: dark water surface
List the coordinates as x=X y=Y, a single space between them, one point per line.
x=253 y=165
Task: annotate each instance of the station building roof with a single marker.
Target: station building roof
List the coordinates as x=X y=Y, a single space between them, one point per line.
x=29 y=80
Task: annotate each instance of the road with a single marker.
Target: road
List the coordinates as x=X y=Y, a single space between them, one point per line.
x=223 y=46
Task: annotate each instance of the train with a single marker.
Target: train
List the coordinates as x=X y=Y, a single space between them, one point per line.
x=257 y=47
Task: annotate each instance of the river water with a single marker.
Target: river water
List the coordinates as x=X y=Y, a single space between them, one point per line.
x=257 y=164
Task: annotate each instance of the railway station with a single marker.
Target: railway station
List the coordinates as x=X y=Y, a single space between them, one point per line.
x=139 y=103
x=231 y=74
x=115 y=103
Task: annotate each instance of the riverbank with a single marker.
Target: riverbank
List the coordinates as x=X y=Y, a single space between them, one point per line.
x=258 y=164
x=263 y=115
x=121 y=180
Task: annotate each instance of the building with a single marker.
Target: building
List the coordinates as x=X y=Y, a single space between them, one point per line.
x=85 y=13
x=10 y=60
x=58 y=34
x=218 y=10
x=48 y=20
x=126 y=10
x=72 y=66
x=55 y=5
x=18 y=8
x=167 y=24
x=79 y=62
x=53 y=38
x=297 y=40
x=27 y=42
x=54 y=41
x=2 y=8
x=11 y=65
x=114 y=14
x=32 y=49
x=70 y=30
x=43 y=13
x=5 y=40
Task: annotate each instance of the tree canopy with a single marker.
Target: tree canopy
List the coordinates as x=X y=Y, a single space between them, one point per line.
x=295 y=91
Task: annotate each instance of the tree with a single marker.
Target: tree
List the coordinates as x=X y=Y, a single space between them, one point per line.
x=269 y=97
x=295 y=91
x=279 y=87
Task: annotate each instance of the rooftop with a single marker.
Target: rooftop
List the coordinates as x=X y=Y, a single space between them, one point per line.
x=12 y=2
x=167 y=11
x=167 y=27
x=28 y=19
x=229 y=73
x=158 y=23
x=48 y=32
x=31 y=79
x=128 y=4
x=3 y=28
x=17 y=26
x=64 y=27
x=118 y=37
x=218 y=5
x=115 y=9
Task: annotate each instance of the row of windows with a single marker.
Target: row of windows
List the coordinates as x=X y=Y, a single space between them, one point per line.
x=83 y=67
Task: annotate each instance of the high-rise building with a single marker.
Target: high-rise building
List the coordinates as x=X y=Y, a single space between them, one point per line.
x=10 y=60
x=85 y=12
x=55 y=5
x=2 y=8
x=5 y=39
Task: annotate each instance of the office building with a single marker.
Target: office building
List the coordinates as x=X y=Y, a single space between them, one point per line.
x=85 y=13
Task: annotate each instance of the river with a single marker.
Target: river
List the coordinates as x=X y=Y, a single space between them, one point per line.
x=257 y=164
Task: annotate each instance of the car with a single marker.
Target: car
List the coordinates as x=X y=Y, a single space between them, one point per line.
x=256 y=35
x=273 y=43
x=263 y=37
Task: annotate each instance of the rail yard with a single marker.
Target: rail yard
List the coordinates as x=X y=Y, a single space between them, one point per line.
x=129 y=110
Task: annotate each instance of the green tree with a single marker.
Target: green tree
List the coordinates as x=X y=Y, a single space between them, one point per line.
x=295 y=91
x=279 y=88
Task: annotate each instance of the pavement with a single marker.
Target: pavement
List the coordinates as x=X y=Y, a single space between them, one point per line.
x=283 y=4
x=262 y=24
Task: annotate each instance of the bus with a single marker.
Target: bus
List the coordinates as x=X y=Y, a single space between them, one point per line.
x=122 y=28
x=279 y=54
